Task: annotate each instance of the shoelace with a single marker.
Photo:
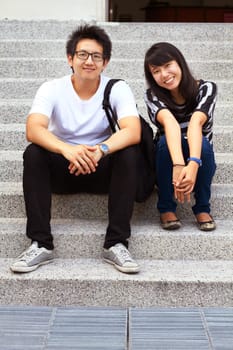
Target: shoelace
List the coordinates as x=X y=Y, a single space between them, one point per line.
x=30 y=253
x=123 y=254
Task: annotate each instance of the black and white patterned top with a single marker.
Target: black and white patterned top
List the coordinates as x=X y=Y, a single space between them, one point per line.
x=206 y=100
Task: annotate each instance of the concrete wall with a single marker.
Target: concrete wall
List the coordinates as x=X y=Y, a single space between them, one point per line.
x=54 y=9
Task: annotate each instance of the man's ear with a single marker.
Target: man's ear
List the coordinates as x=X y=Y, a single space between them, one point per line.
x=70 y=60
x=105 y=63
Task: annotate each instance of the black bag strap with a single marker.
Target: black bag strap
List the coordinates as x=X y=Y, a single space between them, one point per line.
x=111 y=115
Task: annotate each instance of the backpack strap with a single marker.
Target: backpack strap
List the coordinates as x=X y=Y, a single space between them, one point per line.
x=111 y=115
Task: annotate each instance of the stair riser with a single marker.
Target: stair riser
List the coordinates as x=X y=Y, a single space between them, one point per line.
x=106 y=292
x=11 y=170
x=83 y=240
x=26 y=89
x=16 y=112
x=121 y=49
x=95 y=207
x=43 y=68
x=54 y=30
x=15 y=139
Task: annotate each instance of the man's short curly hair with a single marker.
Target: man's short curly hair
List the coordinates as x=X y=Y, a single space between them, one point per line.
x=89 y=32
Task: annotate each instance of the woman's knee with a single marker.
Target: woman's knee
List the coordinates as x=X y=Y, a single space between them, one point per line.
x=162 y=154
x=207 y=153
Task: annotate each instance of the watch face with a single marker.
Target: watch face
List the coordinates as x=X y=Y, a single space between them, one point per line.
x=104 y=148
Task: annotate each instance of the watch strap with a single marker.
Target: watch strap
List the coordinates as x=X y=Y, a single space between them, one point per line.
x=194 y=159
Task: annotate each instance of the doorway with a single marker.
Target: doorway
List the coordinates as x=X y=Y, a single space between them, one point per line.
x=170 y=11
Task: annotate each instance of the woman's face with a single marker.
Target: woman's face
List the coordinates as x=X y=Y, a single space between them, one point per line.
x=168 y=75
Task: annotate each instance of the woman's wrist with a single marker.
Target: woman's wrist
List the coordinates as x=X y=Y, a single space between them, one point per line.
x=196 y=160
x=174 y=165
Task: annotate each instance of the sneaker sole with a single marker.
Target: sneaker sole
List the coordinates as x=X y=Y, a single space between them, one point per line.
x=121 y=268
x=29 y=268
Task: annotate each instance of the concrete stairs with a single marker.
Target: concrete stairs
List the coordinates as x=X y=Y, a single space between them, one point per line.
x=183 y=268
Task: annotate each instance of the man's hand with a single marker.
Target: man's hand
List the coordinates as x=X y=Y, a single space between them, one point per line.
x=83 y=159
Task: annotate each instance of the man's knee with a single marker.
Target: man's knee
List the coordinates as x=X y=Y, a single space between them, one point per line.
x=34 y=156
x=32 y=151
x=125 y=164
x=128 y=156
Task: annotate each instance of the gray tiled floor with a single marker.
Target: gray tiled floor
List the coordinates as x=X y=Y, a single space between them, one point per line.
x=88 y=328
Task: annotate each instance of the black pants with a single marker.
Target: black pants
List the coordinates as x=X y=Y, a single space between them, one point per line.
x=46 y=173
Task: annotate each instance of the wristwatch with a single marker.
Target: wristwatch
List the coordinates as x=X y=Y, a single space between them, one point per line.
x=104 y=149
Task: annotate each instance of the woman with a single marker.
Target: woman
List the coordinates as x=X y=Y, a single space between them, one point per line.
x=182 y=109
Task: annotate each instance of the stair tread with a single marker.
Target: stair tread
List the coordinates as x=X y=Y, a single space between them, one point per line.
x=84 y=238
x=89 y=226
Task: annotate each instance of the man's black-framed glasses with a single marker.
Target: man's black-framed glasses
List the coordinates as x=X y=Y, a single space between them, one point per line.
x=83 y=55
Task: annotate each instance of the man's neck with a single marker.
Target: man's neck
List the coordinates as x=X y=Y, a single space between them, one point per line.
x=85 y=89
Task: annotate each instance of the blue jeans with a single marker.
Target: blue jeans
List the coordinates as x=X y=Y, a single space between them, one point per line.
x=202 y=188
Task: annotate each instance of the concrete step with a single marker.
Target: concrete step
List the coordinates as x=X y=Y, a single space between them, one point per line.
x=45 y=67
x=83 y=238
x=183 y=268
x=53 y=29
x=93 y=206
x=20 y=88
x=16 y=111
x=12 y=137
x=92 y=282
x=11 y=163
x=124 y=48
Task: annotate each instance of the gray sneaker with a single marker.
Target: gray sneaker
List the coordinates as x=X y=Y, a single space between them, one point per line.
x=32 y=258
x=119 y=256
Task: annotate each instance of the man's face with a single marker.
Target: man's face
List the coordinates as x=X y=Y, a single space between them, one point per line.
x=88 y=62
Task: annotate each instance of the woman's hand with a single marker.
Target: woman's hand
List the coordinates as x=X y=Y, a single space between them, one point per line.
x=184 y=181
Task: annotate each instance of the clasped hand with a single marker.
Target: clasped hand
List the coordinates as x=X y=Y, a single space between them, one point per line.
x=83 y=159
x=184 y=178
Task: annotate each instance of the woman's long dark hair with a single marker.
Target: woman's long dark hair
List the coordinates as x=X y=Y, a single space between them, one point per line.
x=158 y=55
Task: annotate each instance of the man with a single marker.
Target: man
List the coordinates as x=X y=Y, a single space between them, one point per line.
x=73 y=150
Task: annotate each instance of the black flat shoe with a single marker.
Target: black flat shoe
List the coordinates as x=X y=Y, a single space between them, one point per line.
x=170 y=225
x=206 y=225
x=209 y=225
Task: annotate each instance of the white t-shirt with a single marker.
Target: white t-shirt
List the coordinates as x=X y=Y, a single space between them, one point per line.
x=77 y=121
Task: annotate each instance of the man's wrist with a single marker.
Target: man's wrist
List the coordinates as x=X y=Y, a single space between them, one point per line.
x=104 y=149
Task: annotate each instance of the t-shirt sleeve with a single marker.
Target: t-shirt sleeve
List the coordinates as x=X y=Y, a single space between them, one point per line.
x=207 y=98
x=122 y=100
x=43 y=102
x=154 y=105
